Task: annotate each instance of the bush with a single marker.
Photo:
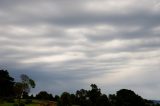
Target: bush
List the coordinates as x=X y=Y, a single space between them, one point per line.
x=1 y=101
x=10 y=100
x=21 y=104
x=15 y=104
x=28 y=101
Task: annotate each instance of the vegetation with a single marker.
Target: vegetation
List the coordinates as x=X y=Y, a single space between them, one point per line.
x=6 y=84
x=23 y=87
x=16 y=94
x=43 y=95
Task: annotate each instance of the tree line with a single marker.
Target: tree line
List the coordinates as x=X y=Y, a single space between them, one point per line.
x=93 y=97
x=10 y=89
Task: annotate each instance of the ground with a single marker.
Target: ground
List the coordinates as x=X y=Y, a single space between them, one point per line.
x=34 y=103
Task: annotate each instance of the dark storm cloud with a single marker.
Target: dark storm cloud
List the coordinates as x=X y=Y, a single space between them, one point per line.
x=67 y=45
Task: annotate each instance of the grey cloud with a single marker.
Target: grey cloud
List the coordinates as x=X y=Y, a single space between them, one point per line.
x=71 y=16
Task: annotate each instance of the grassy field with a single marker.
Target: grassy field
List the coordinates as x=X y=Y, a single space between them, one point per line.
x=34 y=103
x=12 y=104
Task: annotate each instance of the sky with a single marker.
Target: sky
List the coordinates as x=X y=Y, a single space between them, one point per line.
x=66 y=45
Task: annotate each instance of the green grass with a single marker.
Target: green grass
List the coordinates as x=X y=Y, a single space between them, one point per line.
x=34 y=102
x=11 y=104
x=31 y=105
x=6 y=104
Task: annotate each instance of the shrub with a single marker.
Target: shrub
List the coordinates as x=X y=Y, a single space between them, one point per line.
x=1 y=101
x=21 y=104
x=10 y=100
x=15 y=104
x=28 y=101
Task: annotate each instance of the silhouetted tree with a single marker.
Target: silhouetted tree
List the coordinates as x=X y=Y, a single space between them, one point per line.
x=43 y=95
x=65 y=99
x=82 y=98
x=94 y=94
x=6 y=84
x=25 y=95
x=24 y=86
x=18 y=89
x=157 y=104
x=27 y=82
x=31 y=97
x=128 y=98
x=56 y=98
x=73 y=98
x=103 y=101
x=112 y=99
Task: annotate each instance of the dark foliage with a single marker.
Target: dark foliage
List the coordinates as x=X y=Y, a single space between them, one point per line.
x=21 y=104
x=56 y=98
x=128 y=98
x=92 y=97
x=43 y=95
x=25 y=95
x=65 y=99
x=6 y=84
x=102 y=101
x=15 y=104
x=10 y=100
x=28 y=101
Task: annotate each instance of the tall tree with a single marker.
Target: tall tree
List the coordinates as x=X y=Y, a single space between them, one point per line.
x=94 y=94
x=112 y=99
x=82 y=97
x=27 y=82
x=6 y=84
x=128 y=98
x=102 y=101
x=24 y=86
x=65 y=99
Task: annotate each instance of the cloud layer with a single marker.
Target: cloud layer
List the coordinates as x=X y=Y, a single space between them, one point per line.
x=67 y=45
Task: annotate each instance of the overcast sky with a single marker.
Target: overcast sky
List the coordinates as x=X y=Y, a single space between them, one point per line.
x=65 y=45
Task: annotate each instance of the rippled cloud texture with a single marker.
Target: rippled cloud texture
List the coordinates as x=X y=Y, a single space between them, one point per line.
x=66 y=45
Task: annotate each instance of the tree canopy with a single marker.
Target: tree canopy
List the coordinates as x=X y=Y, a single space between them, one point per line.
x=6 y=84
x=24 y=85
x=43 y=95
